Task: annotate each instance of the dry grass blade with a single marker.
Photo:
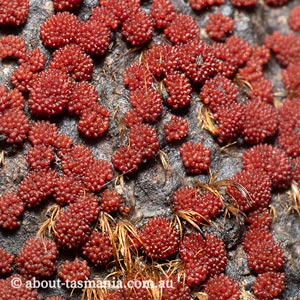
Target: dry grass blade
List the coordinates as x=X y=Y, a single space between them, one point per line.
x=47 y=228
x=239 y=80
x=164 y=159
x=93 y=292
x=2 y=158
x=294 y=194
x=206 y=120
x=200 y=296
x=273 y=212
x=246 y=295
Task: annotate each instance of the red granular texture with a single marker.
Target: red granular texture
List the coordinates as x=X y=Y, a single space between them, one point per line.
x=288 y=131
x=67 y=190
x=268 y=285
x=74 y=61
x=138 y=28
x=294 y=18
x=223 y=61
x=12 y=46
x=42 y=133
x=132 y=118
x=147 y=102
x=218 y=92
x=50 y=92
x=36 y=186
x=197 y=61
x=73 y=225
x=132 y=292
x=276 y=2
x=14 y=124
x=93 y=37
x=105 y=16
x=143 y=138
x=94 y=121
x=11 y=207
x=264 y=255
x=200 y=4
x=202 y=257
x=62 y=5
x=195 y=157
x=243 y=3
x=156 y=58
x=179 y=89
x=10 y=99
x=285 y=47
x=62 y=142
x=76 y=270
x=258 y=187
x=260 y=54
x=98 y=249
x=296 y=168
x=7 y=292
x=230 y=121
x=178 y=291
x=76 y=160
x=113 y=295
x=6 y=261
x=122 y=9
x=163 y=13
x=259 y=219
x=182 y=29
x=218 y=26
x=159 y=239
x=37 y=258
x=136 y=77
x=40 y=157
x=272 y=160
x=83 y=97
x=111 y=201
x=55 y=298
x=97 y=175
x=22 y=78
x=176 y=129
x=127 y=159
x=260 y=122
x=207 y=205
x=262 y=90
x=36 y=60
x=222 y=287
x=291 y=76
x=59 y=30
x=13 y=12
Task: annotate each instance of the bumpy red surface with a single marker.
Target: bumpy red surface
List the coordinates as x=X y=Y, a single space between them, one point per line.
x=159 y=239
x=218 y=26
x=176 y=129
x=259 y=219
x=222 y=287
x=294 y=19
x=258 y=189
x=12 y=46
x=62 y=5
x=76 y=270
x=105 y=16
x=163 y=13
x=272 y=160
x=13 y=12
x=40 y=157
x=50 y=92
x=195 y=157
x=179 y=90
x=7 y=292
x=37 y=258
x=72 y=60
x=291 y=77
x=111 y=201
x=243 y=3
x=6 y=261
x=182 y=29
x=98 y=249
x=200 y=4
x=138 y=28
x=137 y=77
x=36 y=186
x=268 y=285
x=177 y=291
x=10 y=99
x=206 y=205
x=42 y=133
x=59 y=30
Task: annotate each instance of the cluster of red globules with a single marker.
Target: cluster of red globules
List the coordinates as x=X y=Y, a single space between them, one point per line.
x=180 y=65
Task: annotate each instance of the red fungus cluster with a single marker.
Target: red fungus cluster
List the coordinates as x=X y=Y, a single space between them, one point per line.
x=228 y=75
